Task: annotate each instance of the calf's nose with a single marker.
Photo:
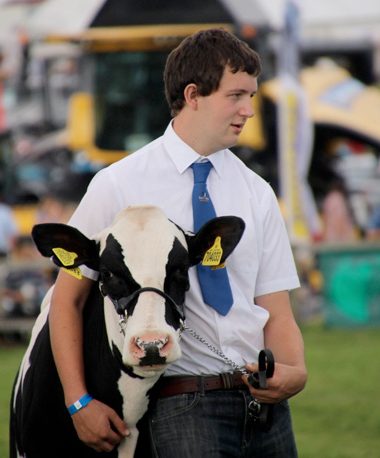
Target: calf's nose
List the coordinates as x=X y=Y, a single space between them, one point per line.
x=149 y=350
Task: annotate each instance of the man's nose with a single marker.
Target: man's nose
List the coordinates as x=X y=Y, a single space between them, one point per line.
x=247 y=110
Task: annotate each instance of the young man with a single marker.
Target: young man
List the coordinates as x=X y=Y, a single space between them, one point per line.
x=209 y=81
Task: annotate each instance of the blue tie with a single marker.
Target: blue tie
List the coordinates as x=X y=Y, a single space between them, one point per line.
x=215 y=286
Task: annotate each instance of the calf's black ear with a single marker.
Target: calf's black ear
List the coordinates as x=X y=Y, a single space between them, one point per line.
x=224 y=232
x=66 y=245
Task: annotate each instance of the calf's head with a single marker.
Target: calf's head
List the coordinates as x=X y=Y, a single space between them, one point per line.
x=143 y=261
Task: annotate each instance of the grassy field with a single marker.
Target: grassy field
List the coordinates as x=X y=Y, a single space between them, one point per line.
x=338 y=414
x=10 y=358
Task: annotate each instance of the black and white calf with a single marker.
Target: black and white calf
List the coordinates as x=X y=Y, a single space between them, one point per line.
x=143 y=261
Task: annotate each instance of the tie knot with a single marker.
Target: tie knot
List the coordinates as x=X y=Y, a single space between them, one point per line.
x=201 y=171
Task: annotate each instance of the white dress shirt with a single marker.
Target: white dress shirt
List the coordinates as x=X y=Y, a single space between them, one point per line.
x=160 y=174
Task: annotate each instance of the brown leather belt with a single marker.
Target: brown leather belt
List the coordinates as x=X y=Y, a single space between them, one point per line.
x=171 y=386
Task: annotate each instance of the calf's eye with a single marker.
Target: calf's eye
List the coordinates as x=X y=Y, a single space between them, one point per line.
x=106 y=275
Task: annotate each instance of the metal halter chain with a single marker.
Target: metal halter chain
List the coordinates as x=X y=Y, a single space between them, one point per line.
x=122 y=324
x=215 y=350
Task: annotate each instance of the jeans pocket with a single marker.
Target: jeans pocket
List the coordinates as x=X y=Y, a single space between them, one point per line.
x=170 y=407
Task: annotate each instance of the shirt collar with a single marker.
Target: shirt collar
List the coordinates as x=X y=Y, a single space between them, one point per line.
x=183 y=155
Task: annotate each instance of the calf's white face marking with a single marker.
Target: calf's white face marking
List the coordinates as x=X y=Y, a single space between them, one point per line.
x=141 y=249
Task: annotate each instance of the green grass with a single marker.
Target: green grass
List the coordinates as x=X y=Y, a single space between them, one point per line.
x=338 y=413
x=336 y=416
x=10 y=358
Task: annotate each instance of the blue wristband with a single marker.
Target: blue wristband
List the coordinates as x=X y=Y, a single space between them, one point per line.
x=82 y=402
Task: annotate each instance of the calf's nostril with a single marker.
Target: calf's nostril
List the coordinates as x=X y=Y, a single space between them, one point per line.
x=157 y=343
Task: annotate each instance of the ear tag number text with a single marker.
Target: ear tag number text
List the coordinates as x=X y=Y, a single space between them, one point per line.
x=213 y=255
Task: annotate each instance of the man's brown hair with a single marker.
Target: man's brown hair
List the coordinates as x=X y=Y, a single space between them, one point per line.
x=201 y=59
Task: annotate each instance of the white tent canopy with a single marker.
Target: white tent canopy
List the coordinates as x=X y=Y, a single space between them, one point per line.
x=11 y=20
x=320 y=20
x=340 y=20
x=70 y=17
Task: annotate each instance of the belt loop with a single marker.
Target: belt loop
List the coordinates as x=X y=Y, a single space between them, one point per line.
x=201 y=385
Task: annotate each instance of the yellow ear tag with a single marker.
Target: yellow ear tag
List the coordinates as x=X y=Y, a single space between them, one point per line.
x=220 y=266
x=213 y=255
x=75 y=272
x=67 y=258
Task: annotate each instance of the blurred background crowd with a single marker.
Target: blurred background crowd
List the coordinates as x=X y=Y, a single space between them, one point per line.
x=81 y=86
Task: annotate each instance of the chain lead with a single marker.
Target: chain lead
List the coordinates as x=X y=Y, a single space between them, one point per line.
x=215 y=350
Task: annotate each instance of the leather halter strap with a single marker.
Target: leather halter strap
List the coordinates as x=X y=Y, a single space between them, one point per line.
x=121 y=304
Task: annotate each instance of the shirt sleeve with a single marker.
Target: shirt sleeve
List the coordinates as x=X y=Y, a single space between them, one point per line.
x=96 y=210
x=98 y=207
x=277 y=270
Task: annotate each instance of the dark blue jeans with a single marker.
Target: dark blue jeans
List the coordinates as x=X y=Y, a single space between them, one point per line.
x=216 y=425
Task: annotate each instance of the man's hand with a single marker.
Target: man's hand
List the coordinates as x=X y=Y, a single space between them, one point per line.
x=99 y=426
x=285 y=383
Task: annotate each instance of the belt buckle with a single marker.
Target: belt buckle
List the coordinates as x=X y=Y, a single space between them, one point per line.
x=227 y=380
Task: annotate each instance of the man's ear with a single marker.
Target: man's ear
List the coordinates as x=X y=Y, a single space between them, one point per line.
x=229 y=229
x=66 y=245
x=190 y=95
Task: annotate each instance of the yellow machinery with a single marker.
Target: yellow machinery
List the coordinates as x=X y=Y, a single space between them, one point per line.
x=125 y=107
